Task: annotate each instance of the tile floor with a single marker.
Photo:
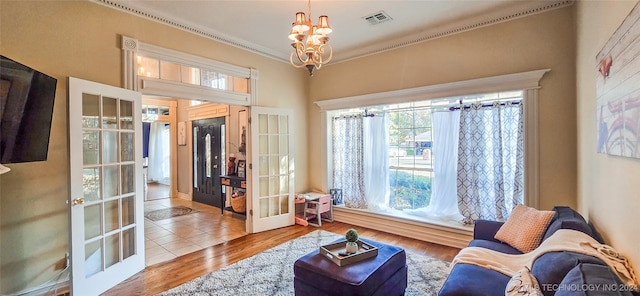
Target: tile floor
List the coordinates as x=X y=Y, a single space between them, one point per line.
x=170 y=238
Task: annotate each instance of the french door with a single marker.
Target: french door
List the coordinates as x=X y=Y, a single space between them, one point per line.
x=105 y=147
x=272 y=169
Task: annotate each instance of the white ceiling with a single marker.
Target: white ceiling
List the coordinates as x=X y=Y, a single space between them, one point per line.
x=263 y=26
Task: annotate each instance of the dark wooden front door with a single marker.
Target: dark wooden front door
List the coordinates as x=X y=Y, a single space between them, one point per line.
x=207 y=162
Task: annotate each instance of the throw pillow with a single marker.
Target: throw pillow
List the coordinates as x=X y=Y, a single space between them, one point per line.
x=524 y=228
x=523 y=283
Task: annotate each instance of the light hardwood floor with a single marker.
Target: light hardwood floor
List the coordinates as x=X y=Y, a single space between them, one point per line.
x=163 y=276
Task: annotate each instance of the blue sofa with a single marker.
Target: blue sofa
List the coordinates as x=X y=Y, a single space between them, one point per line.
x=558 y=273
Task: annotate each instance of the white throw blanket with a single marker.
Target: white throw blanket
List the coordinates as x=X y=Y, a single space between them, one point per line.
x=561 y=240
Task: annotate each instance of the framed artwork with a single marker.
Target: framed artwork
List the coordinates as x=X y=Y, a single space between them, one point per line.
x=617 y=72
x=242 y=131
x=241 y=169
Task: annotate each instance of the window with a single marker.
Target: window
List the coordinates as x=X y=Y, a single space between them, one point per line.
x=411 y=167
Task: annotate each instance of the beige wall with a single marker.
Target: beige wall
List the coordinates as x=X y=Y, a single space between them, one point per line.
x=531 y=43
x=607 y=185
x=81 y=39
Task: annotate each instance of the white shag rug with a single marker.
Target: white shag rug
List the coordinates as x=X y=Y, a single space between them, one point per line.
x=271 y=272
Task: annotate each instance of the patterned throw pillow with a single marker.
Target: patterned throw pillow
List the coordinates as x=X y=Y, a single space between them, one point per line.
x=524 y=228
x=523 y=283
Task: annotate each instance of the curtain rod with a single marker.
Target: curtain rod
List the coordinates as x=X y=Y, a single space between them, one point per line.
x=483 y=105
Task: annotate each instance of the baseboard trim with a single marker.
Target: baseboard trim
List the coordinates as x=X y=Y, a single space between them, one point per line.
x=184 y=196
x=453 y=236
x=61 y=288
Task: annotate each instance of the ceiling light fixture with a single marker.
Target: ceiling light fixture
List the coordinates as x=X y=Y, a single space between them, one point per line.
x=310 y=42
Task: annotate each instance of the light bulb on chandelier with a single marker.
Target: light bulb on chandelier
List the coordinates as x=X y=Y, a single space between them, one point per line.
x=309 y=42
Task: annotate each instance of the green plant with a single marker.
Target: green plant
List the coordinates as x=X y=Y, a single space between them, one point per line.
x=351 y=235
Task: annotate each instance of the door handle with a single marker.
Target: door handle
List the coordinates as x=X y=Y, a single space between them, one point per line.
x=215 y=166
x=78 y=201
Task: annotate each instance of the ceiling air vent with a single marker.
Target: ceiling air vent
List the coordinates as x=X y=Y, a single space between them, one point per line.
x=377 y=18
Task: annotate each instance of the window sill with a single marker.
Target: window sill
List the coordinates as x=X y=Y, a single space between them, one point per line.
x=445 y=233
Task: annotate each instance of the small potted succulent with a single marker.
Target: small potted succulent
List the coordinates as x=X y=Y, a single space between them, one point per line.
x=352 y=237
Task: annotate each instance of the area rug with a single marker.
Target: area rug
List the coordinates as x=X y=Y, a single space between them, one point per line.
x=271 y=272
x=169 y=213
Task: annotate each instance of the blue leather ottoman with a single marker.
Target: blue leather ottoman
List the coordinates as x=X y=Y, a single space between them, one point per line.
x=385 y=274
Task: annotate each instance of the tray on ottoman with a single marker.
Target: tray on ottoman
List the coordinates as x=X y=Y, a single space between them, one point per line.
x=331 y=252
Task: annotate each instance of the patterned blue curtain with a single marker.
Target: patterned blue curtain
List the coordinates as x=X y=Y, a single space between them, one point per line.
x=348 y=160
x=490 y=161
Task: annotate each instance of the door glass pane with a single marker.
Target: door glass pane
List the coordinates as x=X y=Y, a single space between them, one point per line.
x=262 y=123
x=274 y=206
x=92 y=258
x=92 y=221
x=126 y=146
x=207 y=154
x=284 y=145
x=264 y=165
x=128 y=178
x=91 y=184
x=109 y=113
x=273 y=124
x=110 y=184
x=284 y=164
x=284 y=204
x=196 y=161
x=90 y=110
x=264 y=186
x=112 y=250
x=128 y=243
x=273 y=165
x=273 y=144
x=273 y=185
x=284 y=184
x=264 y=207
x=90 y=147
x=284 y=124
x=126 y=115
x=128 y=211
x=111 y=220
x=109 y=147
x=264 y=144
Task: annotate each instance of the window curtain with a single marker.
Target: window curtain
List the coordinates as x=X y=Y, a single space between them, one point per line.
x=376 y=161
x=490 y=169
x=159 y=157
x=348 y=160
x=443 y=204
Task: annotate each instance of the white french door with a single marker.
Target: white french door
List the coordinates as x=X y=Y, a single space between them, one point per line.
x=272 y=169
x=105 y=147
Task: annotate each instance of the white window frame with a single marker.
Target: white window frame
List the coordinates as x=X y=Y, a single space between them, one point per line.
x=528 y=82
x=131 y=48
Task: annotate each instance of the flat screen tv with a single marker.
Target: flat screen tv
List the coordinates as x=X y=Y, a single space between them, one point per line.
x=26 y=110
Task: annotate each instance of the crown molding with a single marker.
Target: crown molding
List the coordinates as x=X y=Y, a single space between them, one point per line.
x=463 y=25
x=452 y=28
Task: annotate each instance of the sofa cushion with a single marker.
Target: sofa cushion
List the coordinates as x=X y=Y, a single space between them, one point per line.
x=523 y=283
x=472 y=280
x=567 y=218
x=496 y=246
x=524 y=228
x=552 y=267
x=592 y=279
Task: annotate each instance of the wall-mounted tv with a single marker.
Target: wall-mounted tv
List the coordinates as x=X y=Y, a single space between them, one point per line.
x=26 y=110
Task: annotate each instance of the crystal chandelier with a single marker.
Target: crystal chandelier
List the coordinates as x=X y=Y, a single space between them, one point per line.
x=310 y=42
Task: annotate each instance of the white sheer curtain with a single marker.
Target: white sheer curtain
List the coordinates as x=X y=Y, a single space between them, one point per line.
x=376 y=161
x=159 y=156
x=444 y=202
x=491 y=161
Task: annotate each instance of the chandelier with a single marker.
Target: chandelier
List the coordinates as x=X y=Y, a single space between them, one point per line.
x=310 y=48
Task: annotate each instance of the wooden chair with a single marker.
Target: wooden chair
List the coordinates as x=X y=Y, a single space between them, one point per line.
x=317 y=208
